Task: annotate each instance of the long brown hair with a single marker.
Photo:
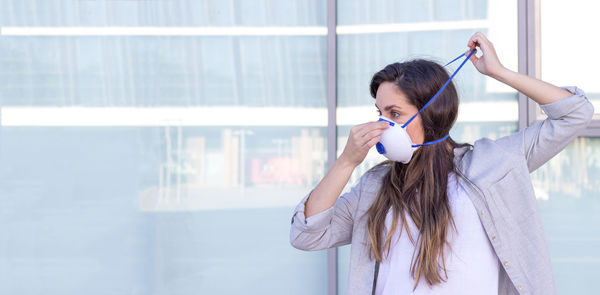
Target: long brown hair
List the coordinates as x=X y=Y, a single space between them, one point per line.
x=419 y=187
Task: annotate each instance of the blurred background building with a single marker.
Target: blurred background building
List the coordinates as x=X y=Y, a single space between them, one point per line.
x=159 y=146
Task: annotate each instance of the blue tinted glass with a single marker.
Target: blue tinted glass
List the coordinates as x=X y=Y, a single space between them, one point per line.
x=159 y=163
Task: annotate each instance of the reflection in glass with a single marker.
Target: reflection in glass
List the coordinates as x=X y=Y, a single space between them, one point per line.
x=568 y=186
x=568 y=190
x=224 y=167
x=140 y=159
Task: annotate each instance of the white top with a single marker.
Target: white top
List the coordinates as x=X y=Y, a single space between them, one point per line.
x=472 y=265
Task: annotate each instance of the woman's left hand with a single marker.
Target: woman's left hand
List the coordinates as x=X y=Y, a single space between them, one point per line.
x=488 y=63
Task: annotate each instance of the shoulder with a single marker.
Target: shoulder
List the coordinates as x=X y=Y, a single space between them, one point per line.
x=487 y=161
x=374 y=175
x=380 y=169
x=370 y=182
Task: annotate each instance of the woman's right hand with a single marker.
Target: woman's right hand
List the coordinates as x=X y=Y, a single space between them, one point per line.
x=361 y=139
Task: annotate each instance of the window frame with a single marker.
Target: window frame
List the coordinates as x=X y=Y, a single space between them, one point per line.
x=529 y=43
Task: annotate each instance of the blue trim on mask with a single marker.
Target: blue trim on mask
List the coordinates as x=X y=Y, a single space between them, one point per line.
x=380 y=148
x=391 y=123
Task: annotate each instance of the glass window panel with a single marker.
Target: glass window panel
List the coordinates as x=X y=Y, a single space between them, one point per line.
x=388 y=12
x=159 y=164
x=165 y=71
x=437 y=30
x=578 y=21
x=567 y=187
x=162 y=13
x=568 y=190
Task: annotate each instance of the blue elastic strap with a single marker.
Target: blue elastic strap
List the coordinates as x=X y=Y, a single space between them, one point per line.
x=445 y=84
x=432 y=142
x=455 y=59
x=436 y=95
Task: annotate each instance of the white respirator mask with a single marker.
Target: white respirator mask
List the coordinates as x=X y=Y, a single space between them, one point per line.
x=394 y=143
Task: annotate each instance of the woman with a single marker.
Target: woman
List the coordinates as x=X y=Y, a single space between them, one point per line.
x=456 y=218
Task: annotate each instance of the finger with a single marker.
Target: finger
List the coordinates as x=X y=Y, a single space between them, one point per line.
x=357 y=128
x=373 y=125
x=482 y=38
x=474 y=57
x=358 y=131
x=478 y=40
x=475 y=42
x=372 y=133
x=360 y=141
x=369 y=144
x=472 y=43
x=381 y=125
x=482 y=41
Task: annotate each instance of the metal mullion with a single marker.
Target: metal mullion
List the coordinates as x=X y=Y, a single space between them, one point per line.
x=529 y=55
x=533 y=52
x=522 y=58
x=331 y=125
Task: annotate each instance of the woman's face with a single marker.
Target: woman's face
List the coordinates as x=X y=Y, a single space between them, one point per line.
x=393 y=104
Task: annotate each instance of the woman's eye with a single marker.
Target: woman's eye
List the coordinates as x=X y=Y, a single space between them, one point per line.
x=394 y=114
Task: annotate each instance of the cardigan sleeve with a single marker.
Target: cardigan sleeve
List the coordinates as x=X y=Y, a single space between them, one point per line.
x=329 y=228
x=541 y=141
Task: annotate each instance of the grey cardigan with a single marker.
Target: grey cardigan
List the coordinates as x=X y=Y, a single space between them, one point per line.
x=498 y=183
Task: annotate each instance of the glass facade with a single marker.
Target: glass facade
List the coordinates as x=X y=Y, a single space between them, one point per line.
x=568 y=186
x=159 y=147
x=578 y=21
x=137 y=158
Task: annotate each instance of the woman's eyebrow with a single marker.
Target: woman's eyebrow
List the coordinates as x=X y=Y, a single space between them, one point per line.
x=388 y=107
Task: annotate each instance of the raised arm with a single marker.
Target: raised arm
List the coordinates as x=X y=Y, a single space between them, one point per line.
x=489 y=64
x=568 y=109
